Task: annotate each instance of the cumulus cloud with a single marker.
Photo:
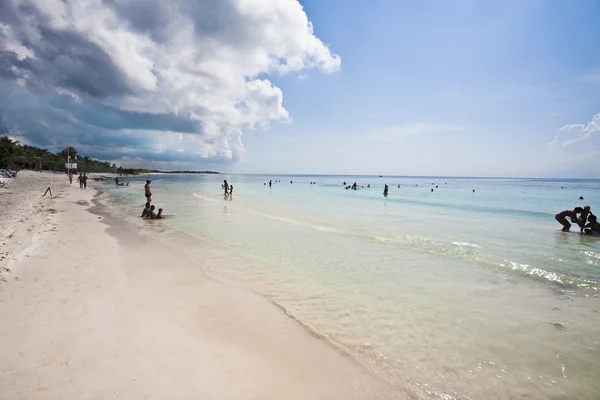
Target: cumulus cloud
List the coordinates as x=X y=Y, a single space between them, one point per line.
x=573 y=133
x=151 y=79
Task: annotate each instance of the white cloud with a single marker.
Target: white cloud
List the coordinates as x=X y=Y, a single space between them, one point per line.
x=202 y=60
x=572 y=133
x=398 y=133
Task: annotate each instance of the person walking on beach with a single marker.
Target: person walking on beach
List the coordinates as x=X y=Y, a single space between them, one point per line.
x=117 y=181
x=70 y=178
x=561 y=217
x=80 y=180
x=85 y=178
x=147 y=191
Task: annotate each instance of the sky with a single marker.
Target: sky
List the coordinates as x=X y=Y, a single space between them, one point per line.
x=394 y=87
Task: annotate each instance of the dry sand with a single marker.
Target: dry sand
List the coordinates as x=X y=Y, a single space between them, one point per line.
x=90 y=309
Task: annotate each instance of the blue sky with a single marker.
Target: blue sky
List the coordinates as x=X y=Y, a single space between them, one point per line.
x=482 y=88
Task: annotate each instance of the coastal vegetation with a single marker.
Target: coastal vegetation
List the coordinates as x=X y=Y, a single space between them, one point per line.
x=15 y=155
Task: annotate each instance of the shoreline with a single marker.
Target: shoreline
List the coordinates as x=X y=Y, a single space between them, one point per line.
x=122 y=315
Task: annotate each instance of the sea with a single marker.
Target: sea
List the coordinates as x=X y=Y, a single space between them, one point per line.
x=448 y=288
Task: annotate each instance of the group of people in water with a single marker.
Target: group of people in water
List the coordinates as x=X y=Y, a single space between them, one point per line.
x=582 y=216
x=148 y=211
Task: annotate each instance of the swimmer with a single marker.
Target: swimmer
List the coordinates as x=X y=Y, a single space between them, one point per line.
x=561 y=217
x=159 y=215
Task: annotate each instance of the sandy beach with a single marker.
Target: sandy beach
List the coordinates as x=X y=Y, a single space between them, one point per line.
x=90 y=309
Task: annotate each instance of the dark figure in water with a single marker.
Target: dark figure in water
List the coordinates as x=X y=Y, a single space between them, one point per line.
x=291 y=182
x=354 y=186
x=561 y=217
x=117 y=181
x=270 y=183
x=592 y=227
x=159 y=215
x=431 y=190
x=385 y=190
x=230 y=190
x=584 y=216
x=369 y=185
x=580 y=197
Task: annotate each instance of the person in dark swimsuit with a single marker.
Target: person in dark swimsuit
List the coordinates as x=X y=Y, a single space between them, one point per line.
x=561 y=217
x=592 y=227
x=148 y=192
x=385 y=190
x=584 y=216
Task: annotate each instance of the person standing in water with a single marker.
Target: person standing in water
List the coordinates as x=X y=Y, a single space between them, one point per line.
x=270 y=183
x=561 y=217
x=147 y=191
x=385 y=190
x=117 y=181
x=226 y=187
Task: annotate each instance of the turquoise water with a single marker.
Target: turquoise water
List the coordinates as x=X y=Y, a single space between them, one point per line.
x=451 y=294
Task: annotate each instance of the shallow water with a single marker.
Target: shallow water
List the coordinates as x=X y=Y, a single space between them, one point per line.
x=450 y=293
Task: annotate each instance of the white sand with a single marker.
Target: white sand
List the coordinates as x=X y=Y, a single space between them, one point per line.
x=92 y=310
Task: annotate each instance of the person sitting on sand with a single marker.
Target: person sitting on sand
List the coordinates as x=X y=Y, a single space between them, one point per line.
x=592 y=227
x=150 y=214
x=146 y=209
x=159 y=215
x=561 y=217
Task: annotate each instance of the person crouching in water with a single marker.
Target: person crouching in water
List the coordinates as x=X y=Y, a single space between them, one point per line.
x=562 y=218
x=592 y=227
x=159 y=215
